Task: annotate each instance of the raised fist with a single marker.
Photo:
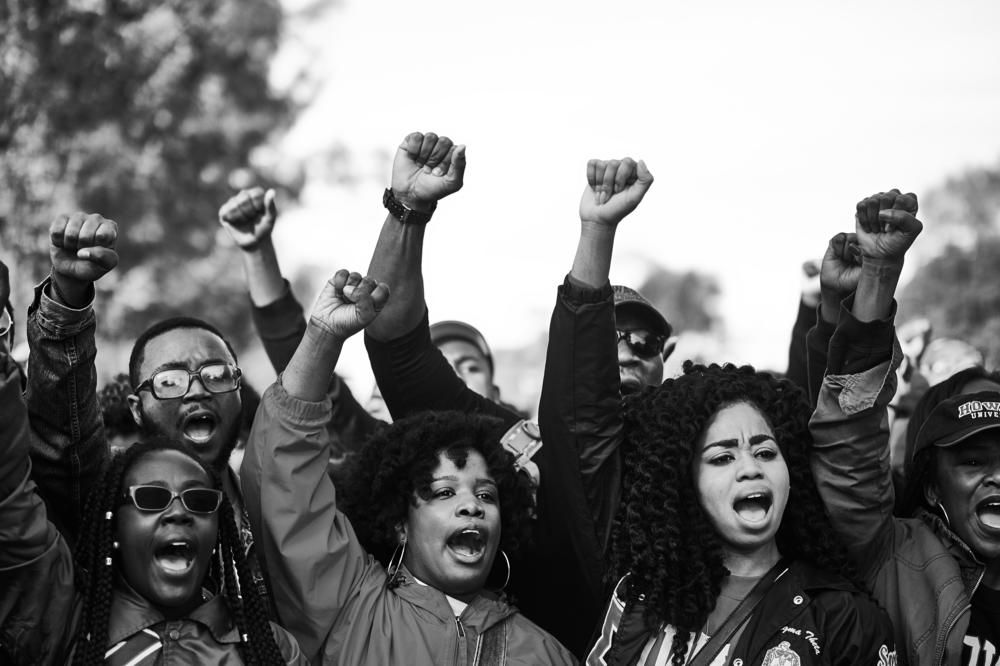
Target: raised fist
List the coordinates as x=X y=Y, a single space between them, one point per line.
x=841 y=267
x=249 y=216
x=82 y=250
x=614 y=189
x=886 y=225
x=348 y=303
x=427 y=168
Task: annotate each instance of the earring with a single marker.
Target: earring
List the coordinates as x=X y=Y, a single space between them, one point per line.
x=947 y=520
x=506 y=580
x=114 y=545
x=394 y=563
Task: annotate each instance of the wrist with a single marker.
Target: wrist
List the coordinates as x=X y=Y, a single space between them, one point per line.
x=412 y=202
x=829 y=308
x=881 y=268
x=71 y=292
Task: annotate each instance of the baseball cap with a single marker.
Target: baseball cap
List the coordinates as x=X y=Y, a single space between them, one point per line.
x=956 y=419
x=443 y=331
x=630 y=299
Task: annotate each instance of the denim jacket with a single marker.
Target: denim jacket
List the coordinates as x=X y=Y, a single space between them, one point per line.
x=68 y=445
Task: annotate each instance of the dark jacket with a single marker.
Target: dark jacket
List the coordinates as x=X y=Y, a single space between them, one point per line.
x=820 y=617
x=331 y=594
x=921 y=572
x=565 y=568
x=39 y=600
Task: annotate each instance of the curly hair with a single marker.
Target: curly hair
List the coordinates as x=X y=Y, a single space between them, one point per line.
x=662 y=536
x=922 y=468
x=396 y=466
x=117 y=416
x=96 y=558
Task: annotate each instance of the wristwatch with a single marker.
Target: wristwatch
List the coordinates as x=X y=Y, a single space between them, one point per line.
x=404 y=214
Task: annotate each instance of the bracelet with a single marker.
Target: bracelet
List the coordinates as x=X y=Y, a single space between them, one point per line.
x=404 y=214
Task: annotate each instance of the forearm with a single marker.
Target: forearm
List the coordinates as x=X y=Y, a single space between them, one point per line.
x=263 y=274
x=307 y=376
x=876 y=288
x=397 y=261
x=592 y=263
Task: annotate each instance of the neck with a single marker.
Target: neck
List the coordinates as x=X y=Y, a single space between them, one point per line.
x=991 y=578
x=751 y=563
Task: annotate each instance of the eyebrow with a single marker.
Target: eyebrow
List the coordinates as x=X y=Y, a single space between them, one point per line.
x=733 y=443
x=181 y=365
x=454 y=479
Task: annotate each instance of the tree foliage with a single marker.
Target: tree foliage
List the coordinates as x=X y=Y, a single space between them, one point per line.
x=685 y=298
x=149 y=113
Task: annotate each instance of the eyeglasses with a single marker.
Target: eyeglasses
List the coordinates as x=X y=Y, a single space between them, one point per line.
x=176 y=382
x=158 y=498
x=643 y=343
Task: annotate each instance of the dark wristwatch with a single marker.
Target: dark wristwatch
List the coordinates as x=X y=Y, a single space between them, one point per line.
x=404 y=214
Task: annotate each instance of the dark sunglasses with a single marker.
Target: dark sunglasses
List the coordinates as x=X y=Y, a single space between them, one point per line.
x=643 y=343
x=158 y=498
x=176 y=382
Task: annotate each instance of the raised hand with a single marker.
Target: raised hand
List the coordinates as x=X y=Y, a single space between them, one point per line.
x=82 y=250
x=249 y=216
x=886 y=225
x=427 y=168
x=614 y=189
x=841 y=267
x=348 y=303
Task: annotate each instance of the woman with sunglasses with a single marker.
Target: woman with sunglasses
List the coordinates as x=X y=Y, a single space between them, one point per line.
x=700 y=489
x=438 y=486
x=156 y=527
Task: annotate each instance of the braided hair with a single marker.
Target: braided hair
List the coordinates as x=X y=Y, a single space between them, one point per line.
x=661 y=534
x=96 y=561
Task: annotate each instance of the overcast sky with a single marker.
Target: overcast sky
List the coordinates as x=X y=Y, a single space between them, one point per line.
x=762 y=122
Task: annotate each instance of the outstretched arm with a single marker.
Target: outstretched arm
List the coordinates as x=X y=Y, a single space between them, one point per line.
x=68 y=444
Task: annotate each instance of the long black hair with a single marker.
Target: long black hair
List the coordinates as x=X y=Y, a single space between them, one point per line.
x=661 y=534
x=96 y=558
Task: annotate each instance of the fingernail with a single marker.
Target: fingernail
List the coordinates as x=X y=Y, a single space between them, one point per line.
x=438 y=171
x=83 y=254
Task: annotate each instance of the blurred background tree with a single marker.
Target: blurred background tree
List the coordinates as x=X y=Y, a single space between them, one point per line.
x=151 y=113
x=957 y=283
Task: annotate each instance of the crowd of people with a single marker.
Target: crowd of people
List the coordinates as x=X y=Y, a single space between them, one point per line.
x=725 y=516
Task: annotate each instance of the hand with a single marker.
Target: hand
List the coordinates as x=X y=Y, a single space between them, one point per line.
x=249 y=217
x=810 y=289
x=841 y=267
x=886 y=225
x=348 y=303
x=614 y=189
x=82 y=250
x=427 y=168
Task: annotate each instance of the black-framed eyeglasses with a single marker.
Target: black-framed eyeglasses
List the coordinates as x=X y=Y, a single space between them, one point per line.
x=176 y=382
x=158 y=498
x=643 y=343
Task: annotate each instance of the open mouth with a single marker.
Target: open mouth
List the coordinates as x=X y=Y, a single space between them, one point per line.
x=989 y=512
x=468 y=544
x=199 y=429
x=754 y=507
x=176 y=557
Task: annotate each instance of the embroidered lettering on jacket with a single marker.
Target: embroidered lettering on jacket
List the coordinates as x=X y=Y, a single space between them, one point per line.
x=782 y=655
x=885 y=657
x=810 y=636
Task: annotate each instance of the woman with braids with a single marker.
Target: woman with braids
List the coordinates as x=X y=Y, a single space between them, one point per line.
x=697 y=492
x=155 y=527
x=437 y=487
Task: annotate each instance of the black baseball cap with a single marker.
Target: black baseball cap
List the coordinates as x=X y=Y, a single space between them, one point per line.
x=627 y=298
x=443 y=331
x=956 y=419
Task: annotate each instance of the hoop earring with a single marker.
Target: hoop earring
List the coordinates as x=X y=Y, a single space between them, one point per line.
x=506 y=580
x=393 y=568
x=947 y=520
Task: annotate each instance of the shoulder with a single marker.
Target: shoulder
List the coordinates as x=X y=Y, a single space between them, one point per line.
x=288 y=646
x=526 y=640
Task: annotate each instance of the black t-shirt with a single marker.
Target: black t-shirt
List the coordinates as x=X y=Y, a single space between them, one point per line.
x=982 y=640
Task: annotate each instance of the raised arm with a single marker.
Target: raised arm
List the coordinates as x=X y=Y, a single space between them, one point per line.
x=580 y=408
x=68 y=445
x=850 y=426
x=313 y=555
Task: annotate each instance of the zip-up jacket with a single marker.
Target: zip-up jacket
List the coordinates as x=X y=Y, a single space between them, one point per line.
x=920 y=571
x=330 y=593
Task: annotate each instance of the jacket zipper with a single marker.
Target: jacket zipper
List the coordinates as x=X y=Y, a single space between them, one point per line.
x=461 y=629
x=940 y=657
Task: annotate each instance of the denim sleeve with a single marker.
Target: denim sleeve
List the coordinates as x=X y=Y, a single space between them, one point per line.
x=67 y=434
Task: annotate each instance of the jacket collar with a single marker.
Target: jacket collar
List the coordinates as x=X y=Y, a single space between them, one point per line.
x=131 y=613
x=486 y=610
x=970 y=566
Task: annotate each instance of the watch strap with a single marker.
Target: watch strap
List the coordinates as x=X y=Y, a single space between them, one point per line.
x=404 y=214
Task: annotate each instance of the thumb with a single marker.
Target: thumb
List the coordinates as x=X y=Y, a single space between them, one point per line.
x=901 y=220
x=643 y=174
x=270 y=208
x=457 y=170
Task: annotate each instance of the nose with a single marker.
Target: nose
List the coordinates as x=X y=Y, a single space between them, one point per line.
x=993 y=475
x=625 y=354
x=470 y=507
x=196 y=389
x=747 y=466
x=176 y=513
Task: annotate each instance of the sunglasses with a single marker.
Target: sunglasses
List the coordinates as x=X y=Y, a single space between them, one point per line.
x=176 y=382
x=158 y=498
x=643 y=343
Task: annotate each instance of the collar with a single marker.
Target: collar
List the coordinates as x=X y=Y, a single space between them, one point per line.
x=131 y=613
x=970 y=566
x=484 y=611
